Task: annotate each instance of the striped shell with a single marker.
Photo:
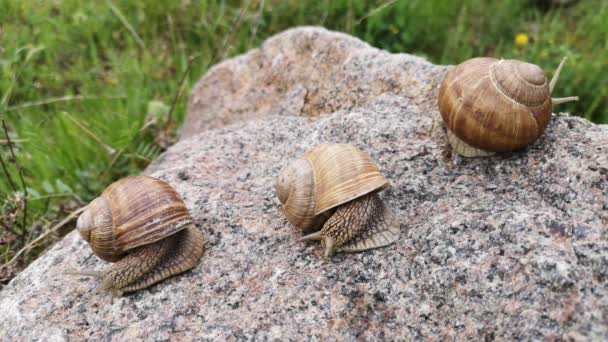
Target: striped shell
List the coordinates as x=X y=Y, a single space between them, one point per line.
x=495 y=105
x=132 y=212
x=325 y=177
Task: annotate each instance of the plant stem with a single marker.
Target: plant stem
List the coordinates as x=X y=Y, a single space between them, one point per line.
x=180 y=89
x=8 y=175
x=66 y=98
x=62 y=223
x=10 y=144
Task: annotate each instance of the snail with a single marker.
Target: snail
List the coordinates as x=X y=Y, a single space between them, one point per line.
x=335 y=187
x=491 y=105
x=142 y=225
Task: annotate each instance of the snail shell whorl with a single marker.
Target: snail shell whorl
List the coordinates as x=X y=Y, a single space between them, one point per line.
x=295 y=189
x=495 y=105
x=523 y=82
x=132 y=212
x=324 y=178
x=96 y=227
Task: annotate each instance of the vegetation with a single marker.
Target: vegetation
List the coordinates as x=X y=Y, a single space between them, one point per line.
x=90 y=91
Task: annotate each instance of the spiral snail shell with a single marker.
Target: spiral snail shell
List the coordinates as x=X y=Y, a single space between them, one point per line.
x=496 y=105
x=142 y=225
x=335 y=187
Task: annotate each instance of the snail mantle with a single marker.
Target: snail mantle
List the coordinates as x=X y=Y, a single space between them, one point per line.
x=509 y=247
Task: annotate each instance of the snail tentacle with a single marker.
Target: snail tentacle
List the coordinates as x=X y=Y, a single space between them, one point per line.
x=559 y=100
x=329 y=247
x=94 y=274
x=556 y=75
x=312 y=237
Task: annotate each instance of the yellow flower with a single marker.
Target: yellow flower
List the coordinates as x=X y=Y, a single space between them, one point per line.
x=521 y=39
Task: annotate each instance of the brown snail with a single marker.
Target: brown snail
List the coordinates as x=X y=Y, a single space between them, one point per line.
x=335 y=186
x=142 y=225
x=496 y=105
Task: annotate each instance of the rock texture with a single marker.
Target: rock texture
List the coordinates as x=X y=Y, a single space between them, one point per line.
x=306 y=72
x=509 y=247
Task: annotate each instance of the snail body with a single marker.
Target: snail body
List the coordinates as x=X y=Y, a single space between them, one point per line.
x=334 y=188
x=490 y=105
x=141 y=225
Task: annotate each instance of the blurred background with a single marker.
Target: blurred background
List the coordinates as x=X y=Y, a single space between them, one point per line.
x=93 y=91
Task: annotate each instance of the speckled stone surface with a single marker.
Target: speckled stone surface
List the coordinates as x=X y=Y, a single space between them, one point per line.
x=503 y=248
x=305 y=71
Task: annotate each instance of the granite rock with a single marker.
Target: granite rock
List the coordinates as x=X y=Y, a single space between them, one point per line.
x=510 y=247
x=305 y=72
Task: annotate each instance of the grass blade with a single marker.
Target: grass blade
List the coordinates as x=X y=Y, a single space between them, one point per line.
x=127 y=25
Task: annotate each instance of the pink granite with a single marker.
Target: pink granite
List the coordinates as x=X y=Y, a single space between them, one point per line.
x=305 y=71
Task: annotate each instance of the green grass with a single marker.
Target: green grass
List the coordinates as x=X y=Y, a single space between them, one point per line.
x=86 y=87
